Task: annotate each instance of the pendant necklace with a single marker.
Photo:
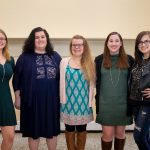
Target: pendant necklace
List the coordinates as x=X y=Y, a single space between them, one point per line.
x=111 y=78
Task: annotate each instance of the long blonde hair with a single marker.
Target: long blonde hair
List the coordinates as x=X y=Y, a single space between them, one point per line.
x=5 y=49
x=87 y=62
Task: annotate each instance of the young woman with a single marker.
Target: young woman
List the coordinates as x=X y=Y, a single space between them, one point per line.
x=7 y=112
x=140 y=90
x=36 y=85
x=112 y=72
x=77 y=76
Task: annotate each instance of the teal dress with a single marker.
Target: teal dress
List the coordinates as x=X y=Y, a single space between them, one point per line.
x=7 y=112
x=76 y=111
x=113 y=97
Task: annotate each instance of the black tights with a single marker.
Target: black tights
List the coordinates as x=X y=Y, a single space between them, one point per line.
x=72 y=128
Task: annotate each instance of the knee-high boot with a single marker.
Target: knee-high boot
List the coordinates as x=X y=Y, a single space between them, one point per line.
x=106 y=145
x=81 y=140
x=70 y=140
x=119 y=144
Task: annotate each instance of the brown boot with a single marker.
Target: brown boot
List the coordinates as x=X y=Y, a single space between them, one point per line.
x=70 y=140
x=81 y=140
x=119 y=144
x=106 y=145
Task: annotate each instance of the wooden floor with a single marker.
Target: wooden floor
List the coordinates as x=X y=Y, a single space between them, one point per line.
x=92 y=143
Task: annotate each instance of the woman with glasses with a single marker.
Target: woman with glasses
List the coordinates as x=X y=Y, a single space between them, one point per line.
x=140 y=90
x=77 y=76
x=112 y=72
x=7 y=112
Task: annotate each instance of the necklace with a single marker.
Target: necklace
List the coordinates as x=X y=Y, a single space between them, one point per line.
x=75 y=63
x=111 y=78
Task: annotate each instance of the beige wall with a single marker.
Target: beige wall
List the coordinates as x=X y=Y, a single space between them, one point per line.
x=64 y=18
x=62 y=46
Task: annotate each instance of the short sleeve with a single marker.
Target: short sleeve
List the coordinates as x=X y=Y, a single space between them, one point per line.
x=12 y=61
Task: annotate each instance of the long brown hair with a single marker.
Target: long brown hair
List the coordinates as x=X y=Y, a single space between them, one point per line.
x=138 y=54
x=87 y=62
x=5 y=49
x=122 y=61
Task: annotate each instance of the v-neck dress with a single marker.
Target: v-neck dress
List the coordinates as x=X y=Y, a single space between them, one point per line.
x=7 y=112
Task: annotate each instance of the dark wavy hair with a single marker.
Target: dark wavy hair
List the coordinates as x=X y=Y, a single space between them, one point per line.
x=29 y=45
x=122 y=61
x=137 y=53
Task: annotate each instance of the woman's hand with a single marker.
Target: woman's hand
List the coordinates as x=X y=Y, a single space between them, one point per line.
x=17 y=100
x=17 y=104
x=146 y=93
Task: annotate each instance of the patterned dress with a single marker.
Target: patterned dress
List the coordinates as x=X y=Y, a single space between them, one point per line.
x=136 y=76
x=76 y=111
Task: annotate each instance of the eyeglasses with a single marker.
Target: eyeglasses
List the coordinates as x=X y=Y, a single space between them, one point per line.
x=2 y=39
x=146 y=42
x=77 y=45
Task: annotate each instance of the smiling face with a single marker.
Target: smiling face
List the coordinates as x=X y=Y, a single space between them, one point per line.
x=114 y=43
x=77 y=47
x=2 y=41
x=144 y=46
x=40 y=41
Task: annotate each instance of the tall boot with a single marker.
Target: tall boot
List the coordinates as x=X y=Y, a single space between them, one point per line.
x=81 y=140
x=70 y=140
x=106 y=145
x=119 y=144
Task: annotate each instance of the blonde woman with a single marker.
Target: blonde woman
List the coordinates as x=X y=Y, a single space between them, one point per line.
x=77 y=76
x=7 y=112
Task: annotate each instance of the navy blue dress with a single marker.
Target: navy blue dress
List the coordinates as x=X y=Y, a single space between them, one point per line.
x=37 y=78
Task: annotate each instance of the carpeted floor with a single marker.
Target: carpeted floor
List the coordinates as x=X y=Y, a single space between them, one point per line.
x=92 y=143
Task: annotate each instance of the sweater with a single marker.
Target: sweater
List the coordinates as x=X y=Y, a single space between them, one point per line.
x=98 y=63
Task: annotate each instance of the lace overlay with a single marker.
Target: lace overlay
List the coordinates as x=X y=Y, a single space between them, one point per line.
x=136 y=75
x=45 y=67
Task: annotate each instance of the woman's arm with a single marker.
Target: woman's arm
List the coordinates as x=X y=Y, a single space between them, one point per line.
x=17 y=81
x=17 y=100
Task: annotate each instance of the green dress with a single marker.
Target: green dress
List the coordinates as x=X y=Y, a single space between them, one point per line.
x=7 y=112
x=113 y=96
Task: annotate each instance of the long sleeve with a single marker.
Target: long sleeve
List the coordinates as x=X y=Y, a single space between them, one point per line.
x=18 y=73
x=129 y=106
x=98 y=62
x=63 y=65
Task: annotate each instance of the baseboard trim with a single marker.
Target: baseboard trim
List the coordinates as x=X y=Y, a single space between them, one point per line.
x=91 y=127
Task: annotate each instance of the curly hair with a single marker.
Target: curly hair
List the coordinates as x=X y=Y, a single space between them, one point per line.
x=29 y=45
